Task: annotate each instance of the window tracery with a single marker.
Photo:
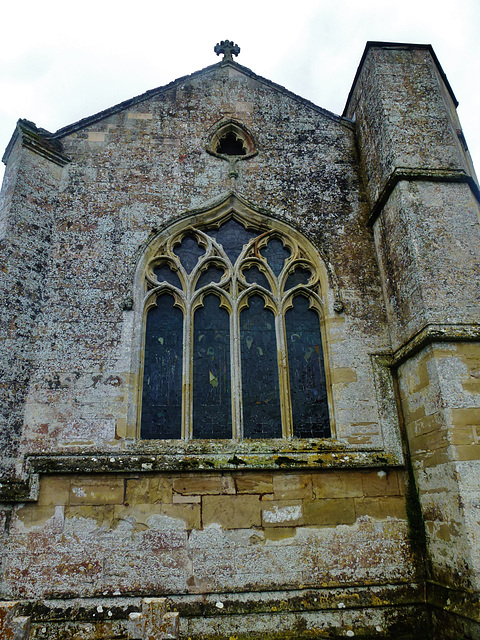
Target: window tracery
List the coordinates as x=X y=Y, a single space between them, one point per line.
x=231 y=139
x=233 y=340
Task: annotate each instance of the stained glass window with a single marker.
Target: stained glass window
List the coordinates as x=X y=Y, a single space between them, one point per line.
x=233 y=340
x=260 y=392
x=307 y=376
x=162 y=378
x=212 y=405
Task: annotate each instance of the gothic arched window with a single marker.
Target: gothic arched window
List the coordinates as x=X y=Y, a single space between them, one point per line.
x=233 y=337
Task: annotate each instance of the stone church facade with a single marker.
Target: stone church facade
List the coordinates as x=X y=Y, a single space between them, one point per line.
x=240 y=356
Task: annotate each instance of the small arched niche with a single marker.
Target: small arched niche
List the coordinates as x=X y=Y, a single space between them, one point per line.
x=231 y=140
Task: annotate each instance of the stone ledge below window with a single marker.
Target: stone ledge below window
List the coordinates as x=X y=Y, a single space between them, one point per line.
x=213 y=455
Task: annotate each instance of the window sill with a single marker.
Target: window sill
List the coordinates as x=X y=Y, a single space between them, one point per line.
x=213 y=455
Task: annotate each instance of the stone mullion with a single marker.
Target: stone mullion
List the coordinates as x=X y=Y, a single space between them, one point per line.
x=236 y=364
x=283 y=374
x=187 y=404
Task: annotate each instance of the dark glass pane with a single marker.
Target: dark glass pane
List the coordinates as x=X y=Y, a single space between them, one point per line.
x=212 y=274
x=299 y=276
x=212 y=408
x=307 y=374
x=260 y=386
x=189 y=252
x=231 y=145
x=276 y=254
x=163 y=273
x=232 y=236
x=162 y=377
x=253 y=275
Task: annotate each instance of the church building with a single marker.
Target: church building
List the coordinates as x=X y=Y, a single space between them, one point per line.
x=240 y=364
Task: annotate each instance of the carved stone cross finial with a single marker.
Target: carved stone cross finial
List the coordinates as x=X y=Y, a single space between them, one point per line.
x=228 y=48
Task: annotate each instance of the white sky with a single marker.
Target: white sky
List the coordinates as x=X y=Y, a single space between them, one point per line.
x=62 y=61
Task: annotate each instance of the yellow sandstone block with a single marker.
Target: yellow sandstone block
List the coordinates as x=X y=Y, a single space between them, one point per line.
x=292 y=486
x=279 y=533
x=121 y=427
x=189 y=513
x=254 y=483
x=431 y=458
x=281 y=513
x=179 y=499
x=468 y=452
x=430 y=441
x=464 y=435
x=337 y=484
x=411 y=413
x=329 y=511
x=132 y=115
x=96 y=136
x=427 y=424
x=144 y=515
x=149 y=489
x=97 y=490
x=232 y=512
x=54 y=490
x=33 y=516
x=344 y=374
x=380 y=483
x=380 y=508
x=462 y=417
x=204 y=485
x=102 y=515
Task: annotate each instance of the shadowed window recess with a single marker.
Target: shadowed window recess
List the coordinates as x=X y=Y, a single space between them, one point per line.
x=233 y=338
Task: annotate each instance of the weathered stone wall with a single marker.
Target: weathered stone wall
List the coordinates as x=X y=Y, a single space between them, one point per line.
x=134 y=171
x=287 y=538
x=26 y=211
x=232 y=535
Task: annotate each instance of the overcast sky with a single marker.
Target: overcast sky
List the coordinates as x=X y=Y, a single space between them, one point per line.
x=62 y=61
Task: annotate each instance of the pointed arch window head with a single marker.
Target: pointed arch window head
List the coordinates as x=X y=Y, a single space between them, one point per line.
x=231 y=145
x=231 y=139
x=233 y=344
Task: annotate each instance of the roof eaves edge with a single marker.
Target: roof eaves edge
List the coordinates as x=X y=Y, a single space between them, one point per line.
x=291 y=94
x=84 y=122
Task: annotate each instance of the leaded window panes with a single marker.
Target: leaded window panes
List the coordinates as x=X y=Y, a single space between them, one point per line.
x=233 y=340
